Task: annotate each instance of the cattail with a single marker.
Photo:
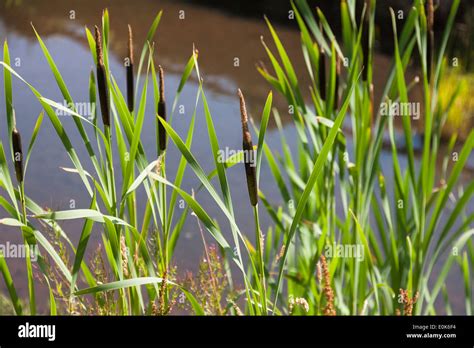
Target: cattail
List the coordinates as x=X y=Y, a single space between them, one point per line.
x=129 y=69
x=102 y=80
x=162 y=111
x=372 y=97
x=366 y=41
x=248 y=153
x=17 y=153
x=430 y=49
x=338 y=80
x=430 y=11
x=322 y=74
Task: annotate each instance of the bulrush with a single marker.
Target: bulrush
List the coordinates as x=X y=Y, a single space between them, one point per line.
x=129 y=68
x=338 y=81
x=102 y=80
x=366 y=41
x=322 y=73
x=430 y=49
x=162 y=111
x=248 y=153
x=372 y=100
x=17 y=154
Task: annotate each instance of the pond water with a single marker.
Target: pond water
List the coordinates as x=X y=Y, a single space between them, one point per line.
x=220 y=39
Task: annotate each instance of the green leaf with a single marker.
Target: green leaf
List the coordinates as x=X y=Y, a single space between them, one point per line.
x=121 y=284
x=10 y=286
x=317 y=169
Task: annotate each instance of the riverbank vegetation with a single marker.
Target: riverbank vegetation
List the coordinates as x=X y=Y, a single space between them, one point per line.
x=350 y=235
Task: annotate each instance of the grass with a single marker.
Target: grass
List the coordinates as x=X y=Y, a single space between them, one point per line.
x=333 y=194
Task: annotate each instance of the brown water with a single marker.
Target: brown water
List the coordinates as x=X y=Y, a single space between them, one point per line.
x=220 y=39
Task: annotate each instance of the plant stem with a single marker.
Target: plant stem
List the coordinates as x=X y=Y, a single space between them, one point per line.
x=259 y=247
x=29 y=268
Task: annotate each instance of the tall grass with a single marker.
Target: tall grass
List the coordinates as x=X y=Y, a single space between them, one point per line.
x=333 y=194
x=402 y=232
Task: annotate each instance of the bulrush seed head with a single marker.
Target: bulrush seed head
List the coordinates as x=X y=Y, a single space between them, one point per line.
x=162 y=111
x=102 y=81
x=17 y=154
x=322 y=73
x=129 y=69
x=430 y=50
x=430 y=10
x=338 y=81
x=366 y=41
x=248 y=149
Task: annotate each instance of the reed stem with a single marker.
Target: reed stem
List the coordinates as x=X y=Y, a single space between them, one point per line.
x=259 y=248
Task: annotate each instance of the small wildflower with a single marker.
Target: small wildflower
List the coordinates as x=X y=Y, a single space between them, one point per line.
x=408 y=302
x=124 y=254
x=327 y=290
x=300 y=302
x=319 y=274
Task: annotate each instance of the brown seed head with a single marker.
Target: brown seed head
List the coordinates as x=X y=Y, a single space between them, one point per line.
x=129 y=72
x=161 y=111
x=327 y=290
x=408 y=302
x=98 y=46
x=17 y=154
x=430 y=10
x=102 y=85
x=162 y=83
x=338 y=80
x=366 y=41
x=322 y=73
x=249 y=157
x=243 y=115
x=130 y=44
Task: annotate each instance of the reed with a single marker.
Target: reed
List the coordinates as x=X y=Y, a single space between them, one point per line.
x=17 y=154
x=396 y=240
x=102 y=84
x=252 y=186
x=129 y=72
x=366 y=40
x=333 y=186
x=430 y=51
x=161 y=110
x=247 y=146
x=322 y=73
